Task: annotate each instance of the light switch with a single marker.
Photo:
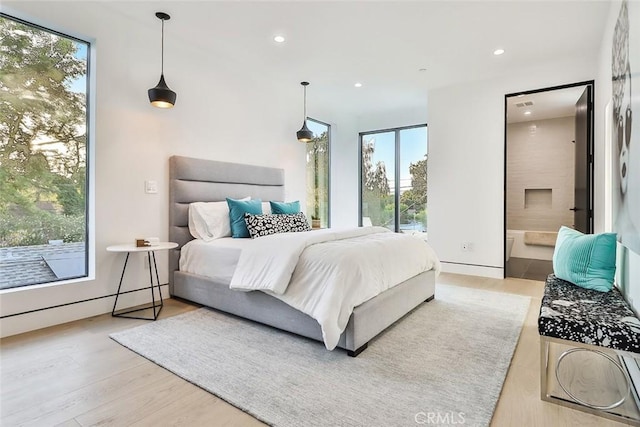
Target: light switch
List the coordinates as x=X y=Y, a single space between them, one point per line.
x=151 y=187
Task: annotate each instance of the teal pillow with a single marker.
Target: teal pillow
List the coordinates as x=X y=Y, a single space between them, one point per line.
x=586 y=260
x=237 y=209
x=285 y=208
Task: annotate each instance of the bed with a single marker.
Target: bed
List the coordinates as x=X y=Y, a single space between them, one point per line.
x=199 y=180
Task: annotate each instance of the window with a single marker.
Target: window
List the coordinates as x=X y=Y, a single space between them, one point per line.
x=318 y=174
x=43 y=155
x=393 y=185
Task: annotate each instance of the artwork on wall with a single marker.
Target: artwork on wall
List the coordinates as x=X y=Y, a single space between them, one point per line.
x=625 y=75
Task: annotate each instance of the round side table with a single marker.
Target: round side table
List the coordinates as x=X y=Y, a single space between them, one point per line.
x=151 y=255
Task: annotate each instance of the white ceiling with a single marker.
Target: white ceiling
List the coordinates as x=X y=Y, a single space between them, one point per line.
x=381 y=44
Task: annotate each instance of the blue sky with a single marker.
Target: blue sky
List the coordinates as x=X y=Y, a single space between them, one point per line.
x=80 y=84
x=413 y=147
x=316 y=128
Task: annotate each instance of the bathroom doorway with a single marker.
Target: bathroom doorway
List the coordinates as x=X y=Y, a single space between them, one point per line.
x=548 y=173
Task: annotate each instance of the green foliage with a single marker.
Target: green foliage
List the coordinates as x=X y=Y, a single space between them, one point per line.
x=318 y=177
x=416 y=197
x=374 y=177
x=42 y=135
x=38 y=227
x=378 y=203
x=71 y=195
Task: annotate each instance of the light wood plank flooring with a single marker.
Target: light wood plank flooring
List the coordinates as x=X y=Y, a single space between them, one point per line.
x=75 y=375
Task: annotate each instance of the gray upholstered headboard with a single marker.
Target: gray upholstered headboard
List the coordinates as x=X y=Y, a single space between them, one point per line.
x=199 y=180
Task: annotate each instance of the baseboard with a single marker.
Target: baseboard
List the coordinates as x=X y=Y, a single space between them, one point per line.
x=473 y=270
x=53 y=316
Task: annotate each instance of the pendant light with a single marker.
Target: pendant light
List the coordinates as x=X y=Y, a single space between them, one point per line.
x=304 y=134
x=161 y=96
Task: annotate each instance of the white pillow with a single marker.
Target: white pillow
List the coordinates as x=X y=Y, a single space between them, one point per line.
x=266 y=208
x=210 y=220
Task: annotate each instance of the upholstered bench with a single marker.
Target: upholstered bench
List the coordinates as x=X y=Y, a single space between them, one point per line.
x=587 y=320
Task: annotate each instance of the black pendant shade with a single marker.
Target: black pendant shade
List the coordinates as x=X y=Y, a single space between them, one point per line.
x=304 y=134
x=161 y=96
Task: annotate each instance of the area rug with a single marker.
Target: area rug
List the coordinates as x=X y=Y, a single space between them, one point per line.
x=444 y=363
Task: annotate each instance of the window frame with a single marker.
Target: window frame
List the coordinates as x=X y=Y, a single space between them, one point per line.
x=90 y=108
x=397 y=165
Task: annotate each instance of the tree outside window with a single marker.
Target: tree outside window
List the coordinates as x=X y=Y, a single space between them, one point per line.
x=394 y=179
x=318 y=174
x=43 y=155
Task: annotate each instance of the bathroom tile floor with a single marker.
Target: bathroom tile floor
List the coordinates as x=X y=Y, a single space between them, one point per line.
x=532 y=269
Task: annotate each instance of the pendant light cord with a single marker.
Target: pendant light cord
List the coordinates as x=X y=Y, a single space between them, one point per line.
x=305 y=104
x=162 y=51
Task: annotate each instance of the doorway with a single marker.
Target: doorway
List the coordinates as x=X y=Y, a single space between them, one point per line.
x=548 y=173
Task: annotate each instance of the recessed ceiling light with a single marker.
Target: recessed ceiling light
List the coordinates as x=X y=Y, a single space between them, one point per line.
x=278 y=39
x=527 y=113
x=498 y=52
x=358 y=85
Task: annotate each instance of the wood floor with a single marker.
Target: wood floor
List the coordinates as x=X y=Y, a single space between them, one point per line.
x=75 y=375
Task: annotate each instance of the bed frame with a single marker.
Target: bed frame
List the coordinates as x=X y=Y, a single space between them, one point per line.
x=198 y=180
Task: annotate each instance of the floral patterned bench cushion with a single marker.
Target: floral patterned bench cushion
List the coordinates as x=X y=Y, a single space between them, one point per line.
x=572 y=313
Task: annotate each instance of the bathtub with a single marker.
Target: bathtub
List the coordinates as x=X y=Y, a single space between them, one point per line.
x=520 y=249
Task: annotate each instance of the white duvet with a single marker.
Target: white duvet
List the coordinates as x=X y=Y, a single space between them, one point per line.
x=326 y=273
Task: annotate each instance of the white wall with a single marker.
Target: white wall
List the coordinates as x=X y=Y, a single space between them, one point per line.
x=393 y=119
x=540 y=156
x=224 y=111
x=466 y=163
x=344 y=173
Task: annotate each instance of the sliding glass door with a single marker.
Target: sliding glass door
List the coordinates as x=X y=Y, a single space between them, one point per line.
x=393 y=184
x=378 y=179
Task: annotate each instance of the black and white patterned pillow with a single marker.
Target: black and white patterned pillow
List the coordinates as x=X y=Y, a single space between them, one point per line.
x=264 y=225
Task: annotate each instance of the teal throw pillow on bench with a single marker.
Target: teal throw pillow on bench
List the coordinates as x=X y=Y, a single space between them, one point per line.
x=285 y=208
x=586 y=260
x=237 y=209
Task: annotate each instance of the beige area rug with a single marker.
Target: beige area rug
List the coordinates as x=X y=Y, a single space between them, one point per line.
x=444 y=363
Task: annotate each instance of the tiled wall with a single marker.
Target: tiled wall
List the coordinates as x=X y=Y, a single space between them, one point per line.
x=540 y=159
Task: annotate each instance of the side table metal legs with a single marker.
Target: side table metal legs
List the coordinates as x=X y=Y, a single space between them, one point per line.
x=155 y=306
